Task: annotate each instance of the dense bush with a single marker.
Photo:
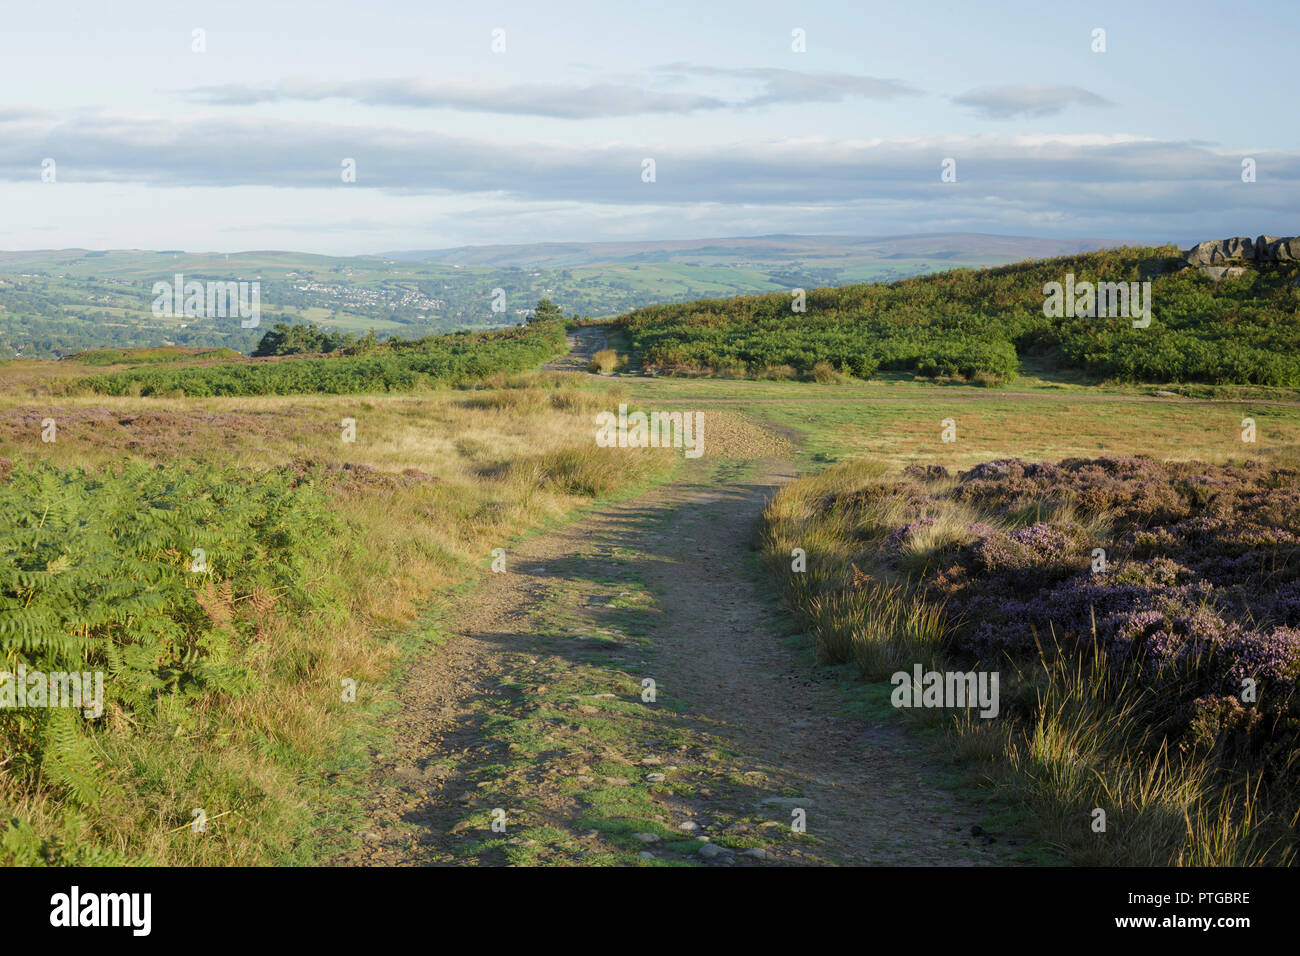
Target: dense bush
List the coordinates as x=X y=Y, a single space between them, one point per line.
x=395 y=365
x=981 y=322
x=285 y=339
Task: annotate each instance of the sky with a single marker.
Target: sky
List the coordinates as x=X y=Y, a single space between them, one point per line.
x=489 y=122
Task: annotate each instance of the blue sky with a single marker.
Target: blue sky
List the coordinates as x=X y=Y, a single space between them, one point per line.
x=240 y=146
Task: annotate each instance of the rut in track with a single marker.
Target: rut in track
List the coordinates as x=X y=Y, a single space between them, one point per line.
x=745 y=729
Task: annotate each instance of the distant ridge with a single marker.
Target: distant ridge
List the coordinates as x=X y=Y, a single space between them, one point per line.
x=957 y=246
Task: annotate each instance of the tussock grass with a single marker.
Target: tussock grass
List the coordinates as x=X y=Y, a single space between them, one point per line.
x=951 y=529
x=880 y=628
x=824 y=373
x=606 y=362
x=1091 y=744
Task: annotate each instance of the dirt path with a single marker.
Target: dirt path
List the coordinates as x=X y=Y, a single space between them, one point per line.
x=534 y=713
x=584 y=342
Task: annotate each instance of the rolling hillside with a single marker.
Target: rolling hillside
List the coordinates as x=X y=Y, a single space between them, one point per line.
x=982 y=325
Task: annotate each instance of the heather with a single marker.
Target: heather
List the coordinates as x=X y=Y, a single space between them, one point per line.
x=1145 y=616
x=1201 y=571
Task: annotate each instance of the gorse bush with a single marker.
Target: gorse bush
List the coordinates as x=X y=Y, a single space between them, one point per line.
x=979 y=324
x=392 y=366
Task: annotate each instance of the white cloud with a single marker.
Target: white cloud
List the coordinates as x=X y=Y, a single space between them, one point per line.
x=1027 y=99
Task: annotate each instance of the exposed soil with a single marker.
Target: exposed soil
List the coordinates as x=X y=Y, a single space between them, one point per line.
x=584 y=342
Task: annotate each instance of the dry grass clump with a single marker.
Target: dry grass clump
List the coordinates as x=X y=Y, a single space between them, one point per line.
x=606 y=362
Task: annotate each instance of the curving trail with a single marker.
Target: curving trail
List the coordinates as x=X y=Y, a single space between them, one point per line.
x=743 y=730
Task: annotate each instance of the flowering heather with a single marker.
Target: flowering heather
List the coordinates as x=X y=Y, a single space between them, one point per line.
x=1144 y=618
x=1201 y=584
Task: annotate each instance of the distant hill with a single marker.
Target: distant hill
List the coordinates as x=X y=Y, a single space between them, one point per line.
x=949 y=247
x=56 y=302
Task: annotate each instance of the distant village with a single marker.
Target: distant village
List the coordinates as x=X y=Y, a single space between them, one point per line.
x=383 y=298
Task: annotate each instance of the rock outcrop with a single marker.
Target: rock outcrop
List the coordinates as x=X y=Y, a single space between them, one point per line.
x=1218 y=252
x=1231 y=258
x=1273 y=249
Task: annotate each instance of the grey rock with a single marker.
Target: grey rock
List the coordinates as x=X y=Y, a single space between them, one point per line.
x=756 y=852
x=1274 y=249
x=711 y=851
x=1218 y=273
x=1217 y=252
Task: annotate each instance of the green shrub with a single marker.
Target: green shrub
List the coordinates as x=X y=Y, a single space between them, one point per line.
x=392 y=366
